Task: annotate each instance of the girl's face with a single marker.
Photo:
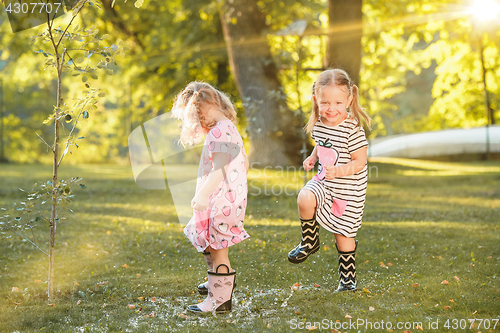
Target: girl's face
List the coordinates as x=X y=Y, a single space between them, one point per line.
x=333 y=102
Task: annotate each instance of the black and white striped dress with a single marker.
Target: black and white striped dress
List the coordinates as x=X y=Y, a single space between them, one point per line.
x=345 y=138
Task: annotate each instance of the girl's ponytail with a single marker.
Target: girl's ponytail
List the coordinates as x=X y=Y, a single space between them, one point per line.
x=314 y=117
x=189 y=114
x=357 y=111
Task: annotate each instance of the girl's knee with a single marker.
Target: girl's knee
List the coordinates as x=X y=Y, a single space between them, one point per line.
x=306 y=198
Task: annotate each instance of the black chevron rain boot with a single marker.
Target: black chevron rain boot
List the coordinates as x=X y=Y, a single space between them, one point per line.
x=347 y=270
x=309 y=243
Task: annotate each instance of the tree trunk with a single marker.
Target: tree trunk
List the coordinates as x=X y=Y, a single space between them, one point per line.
x=2 y=128
x=344 y=36
x=55 y=167
x=273 y=129
x=222 y=73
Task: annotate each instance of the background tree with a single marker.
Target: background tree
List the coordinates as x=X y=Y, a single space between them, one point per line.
x=77 y=52
x=272 y=128
x=345 y=29
x=422 y=69
x=406 y=50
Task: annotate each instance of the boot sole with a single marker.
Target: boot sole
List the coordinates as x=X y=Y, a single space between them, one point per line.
x=226 y=307
x=298 y=261
x=344 y=290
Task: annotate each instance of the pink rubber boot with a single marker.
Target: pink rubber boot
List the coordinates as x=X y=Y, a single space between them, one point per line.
x=220 y=292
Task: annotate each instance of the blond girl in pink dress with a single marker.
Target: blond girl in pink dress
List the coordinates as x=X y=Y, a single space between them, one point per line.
x=221 y=191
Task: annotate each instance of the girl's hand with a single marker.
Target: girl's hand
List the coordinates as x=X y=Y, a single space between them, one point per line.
x=330 y=172
x=309 y=163
x=199 y=202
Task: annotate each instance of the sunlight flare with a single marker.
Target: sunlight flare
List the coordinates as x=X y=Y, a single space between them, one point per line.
x=485 y=10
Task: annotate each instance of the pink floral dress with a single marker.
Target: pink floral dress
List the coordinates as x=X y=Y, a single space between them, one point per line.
x=221 y=224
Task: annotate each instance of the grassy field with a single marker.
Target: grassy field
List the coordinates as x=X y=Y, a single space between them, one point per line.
x=425 y=222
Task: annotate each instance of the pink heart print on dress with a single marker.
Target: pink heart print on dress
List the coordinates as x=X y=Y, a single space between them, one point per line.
x=329 y=156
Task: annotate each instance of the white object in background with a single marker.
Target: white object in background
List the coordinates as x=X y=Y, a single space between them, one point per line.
x=439 y=143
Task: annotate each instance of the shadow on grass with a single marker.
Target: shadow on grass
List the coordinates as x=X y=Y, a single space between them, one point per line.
x=119 y=248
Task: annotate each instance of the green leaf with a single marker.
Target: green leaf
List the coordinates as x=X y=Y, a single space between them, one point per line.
x=46 y=121
x=82 y=186
x=81 y=137
x=84 y=78
x=102 y=94
x=79 y=60
x=94 y=76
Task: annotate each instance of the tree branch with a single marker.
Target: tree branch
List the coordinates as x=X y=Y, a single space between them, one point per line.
x=34 y=238
x=44 y=142
x=29 y=240
x=71 y=132
x=71 y=22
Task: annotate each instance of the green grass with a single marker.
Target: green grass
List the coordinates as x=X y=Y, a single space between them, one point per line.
x=424 y=221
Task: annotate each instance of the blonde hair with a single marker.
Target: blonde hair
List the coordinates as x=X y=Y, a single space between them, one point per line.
x=187 y=109
x=337 y=77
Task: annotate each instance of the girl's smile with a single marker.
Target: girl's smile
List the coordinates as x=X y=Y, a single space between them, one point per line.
x=333 y=102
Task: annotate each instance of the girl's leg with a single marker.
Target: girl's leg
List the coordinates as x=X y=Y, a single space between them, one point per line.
x=306 y=202
x=220 y=257
x=220 y=285
x=203 y=287
x=346 y=248
x=345 y=244
x=309 y=244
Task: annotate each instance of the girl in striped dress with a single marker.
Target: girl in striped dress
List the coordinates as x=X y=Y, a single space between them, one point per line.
x=335 y=197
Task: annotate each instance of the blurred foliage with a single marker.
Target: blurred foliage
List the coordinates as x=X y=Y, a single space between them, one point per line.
x=434 y=39
x=420 y=68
